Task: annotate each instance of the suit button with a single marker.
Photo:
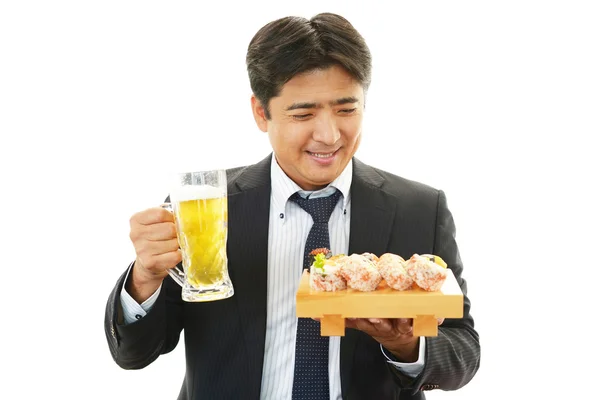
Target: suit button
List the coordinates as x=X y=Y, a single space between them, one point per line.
x=429 y=386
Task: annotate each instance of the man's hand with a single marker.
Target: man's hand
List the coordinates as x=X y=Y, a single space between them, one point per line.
x=396 y=335
x=154 y=238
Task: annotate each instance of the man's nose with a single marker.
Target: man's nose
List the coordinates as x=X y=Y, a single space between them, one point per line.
x=326 y=131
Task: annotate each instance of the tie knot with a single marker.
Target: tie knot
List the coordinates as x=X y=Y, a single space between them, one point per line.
x=320 y=209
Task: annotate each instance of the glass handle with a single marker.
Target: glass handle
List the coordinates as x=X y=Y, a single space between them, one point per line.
x=175 y=273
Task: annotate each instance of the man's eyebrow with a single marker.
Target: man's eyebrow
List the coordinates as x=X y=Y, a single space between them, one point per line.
x=344 y=100
x=296 y=106
x=337 y=102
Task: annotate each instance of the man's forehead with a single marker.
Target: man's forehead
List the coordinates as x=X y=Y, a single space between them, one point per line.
x=334 y=77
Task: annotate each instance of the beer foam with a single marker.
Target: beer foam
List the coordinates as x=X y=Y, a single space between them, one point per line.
x=195 y=192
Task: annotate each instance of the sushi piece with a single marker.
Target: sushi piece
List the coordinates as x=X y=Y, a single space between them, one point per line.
x=391 y=268
x=325 y=273
x=360 y=273
x=428 y=271
x=371 y=257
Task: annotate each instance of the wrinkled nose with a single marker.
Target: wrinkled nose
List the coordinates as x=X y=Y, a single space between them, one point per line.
x=326 y=131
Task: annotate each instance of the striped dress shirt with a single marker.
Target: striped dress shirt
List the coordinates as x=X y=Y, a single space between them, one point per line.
x=289 y=226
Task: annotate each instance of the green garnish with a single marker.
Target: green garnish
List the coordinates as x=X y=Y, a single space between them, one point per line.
x=320 y=262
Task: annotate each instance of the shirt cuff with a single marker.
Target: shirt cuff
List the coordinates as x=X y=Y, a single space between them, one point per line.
x=132 y=310
x=410 y=369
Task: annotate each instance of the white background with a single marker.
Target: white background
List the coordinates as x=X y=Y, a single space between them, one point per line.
x=497 y=103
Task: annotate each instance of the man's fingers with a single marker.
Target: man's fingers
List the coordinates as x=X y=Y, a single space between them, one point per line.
x=159 y=231
x=381 y=325
x=169 y=260
x=152 y=216
x=371 y=326
x=158 y=264
x=404 y=326
x=147 y=248
x=384 y=326
x=350 y=323
x=363 y=325
x=164 y=246
x=354 y=323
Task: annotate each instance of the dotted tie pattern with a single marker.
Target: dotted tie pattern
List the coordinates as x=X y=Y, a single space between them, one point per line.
x=311 y=369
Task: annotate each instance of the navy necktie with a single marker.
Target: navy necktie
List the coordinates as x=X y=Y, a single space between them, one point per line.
x=311 y=368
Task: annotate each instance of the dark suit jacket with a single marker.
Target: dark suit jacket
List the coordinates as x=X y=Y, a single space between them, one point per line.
x=225 y=340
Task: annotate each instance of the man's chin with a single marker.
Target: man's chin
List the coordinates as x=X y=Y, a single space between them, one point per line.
x=322 y=180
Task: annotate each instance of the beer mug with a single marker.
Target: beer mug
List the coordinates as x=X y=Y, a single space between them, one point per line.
x=199 y=205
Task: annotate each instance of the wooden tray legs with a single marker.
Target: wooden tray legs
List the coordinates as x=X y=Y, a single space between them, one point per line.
x=423 y=325
x=333 y=325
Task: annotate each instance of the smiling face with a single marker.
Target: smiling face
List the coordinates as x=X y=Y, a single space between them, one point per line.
x=315 y=125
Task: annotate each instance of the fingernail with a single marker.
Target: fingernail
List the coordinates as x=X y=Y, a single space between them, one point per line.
x=404 y=320
x=374 y=320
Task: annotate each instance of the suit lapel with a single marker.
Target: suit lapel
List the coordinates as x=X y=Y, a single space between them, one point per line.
x=372 y=212
x=247 y=249
x=371 y=219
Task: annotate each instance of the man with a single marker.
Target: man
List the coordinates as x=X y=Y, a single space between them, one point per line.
x=309 y=79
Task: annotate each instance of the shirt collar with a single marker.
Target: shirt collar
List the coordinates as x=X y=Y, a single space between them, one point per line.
x=282 y=187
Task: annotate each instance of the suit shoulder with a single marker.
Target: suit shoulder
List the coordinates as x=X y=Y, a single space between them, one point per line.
x=413 y=199
x=404 y=184
x=399 y=186
x=234 y=173
x=411 y=196
x=249 y=176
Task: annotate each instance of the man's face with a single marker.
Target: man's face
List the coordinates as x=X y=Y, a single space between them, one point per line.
x=315 y=125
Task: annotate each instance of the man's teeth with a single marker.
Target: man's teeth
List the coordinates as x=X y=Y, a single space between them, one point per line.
x=321 y=155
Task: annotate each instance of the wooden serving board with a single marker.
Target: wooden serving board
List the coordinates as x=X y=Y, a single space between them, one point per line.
x=384 y=302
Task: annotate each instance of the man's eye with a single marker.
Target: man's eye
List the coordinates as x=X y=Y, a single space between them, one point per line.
x=348 y=110
x=301 y=117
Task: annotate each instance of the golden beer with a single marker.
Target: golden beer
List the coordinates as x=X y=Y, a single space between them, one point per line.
x=202 y=234
x=199 y=203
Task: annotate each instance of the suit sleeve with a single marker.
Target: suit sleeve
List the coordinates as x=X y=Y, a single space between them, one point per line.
x=452 y=358
x=136 y=345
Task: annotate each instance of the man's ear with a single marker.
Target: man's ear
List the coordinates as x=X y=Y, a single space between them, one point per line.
x=259 y=113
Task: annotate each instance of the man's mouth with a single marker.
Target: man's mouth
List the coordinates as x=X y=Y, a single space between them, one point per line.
x=321 y=155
